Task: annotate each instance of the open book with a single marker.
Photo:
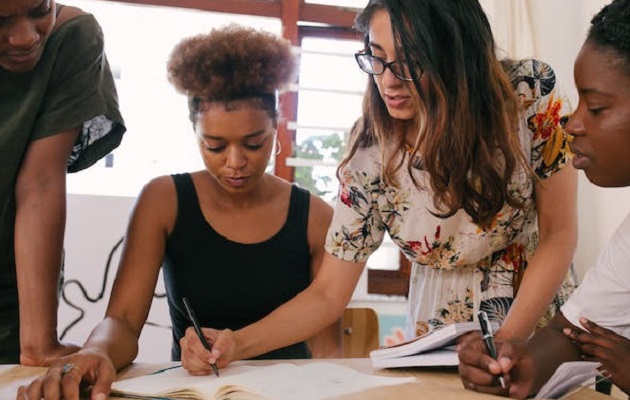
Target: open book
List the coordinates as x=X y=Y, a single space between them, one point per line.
x=434 y=348
x=311 y=381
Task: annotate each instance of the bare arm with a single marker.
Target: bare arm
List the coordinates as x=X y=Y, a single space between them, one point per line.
x=328 y=342
x=316 y=307
x=113 y=343
x=39 y=231
x=152 y=218
x=556 y=202
x=550 y=348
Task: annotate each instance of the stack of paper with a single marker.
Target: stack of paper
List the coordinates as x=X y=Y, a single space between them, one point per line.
x=435 y=348
x=567 y=377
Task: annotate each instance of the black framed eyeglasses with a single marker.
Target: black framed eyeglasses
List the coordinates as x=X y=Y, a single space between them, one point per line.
x=376 y=66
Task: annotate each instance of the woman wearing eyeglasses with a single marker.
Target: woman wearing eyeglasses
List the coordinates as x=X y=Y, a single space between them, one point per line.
x=461 y=159
x=467 y=175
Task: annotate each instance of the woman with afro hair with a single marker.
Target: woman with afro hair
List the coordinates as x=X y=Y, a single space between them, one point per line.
x=234 y=240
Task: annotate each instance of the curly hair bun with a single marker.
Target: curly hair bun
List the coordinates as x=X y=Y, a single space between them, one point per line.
x=231 y=62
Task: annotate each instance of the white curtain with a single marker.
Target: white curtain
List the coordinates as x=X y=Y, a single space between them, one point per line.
x=511 y=22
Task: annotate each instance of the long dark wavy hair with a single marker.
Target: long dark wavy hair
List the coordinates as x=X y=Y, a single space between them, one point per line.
x=467 y=114
x=610 y=29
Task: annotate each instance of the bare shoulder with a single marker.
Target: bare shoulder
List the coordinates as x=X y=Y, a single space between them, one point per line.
x=158 y=200
x=160 y=186
x=320 y=208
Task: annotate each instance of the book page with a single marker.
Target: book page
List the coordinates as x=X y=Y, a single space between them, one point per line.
x=177 y=382
x=435 y=339
x=568 y=376
x=312 y=381
x=230 y=392
x=445 y=357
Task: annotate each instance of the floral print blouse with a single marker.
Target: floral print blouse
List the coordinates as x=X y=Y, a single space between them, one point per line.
x=458 y=267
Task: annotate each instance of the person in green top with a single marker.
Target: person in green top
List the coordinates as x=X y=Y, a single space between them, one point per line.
x=58 y=113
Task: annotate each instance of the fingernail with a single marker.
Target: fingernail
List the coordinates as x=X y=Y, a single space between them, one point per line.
x=101 y=396
x=567 y=331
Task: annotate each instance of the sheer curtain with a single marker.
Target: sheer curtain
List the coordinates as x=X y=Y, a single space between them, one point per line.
x=553 y=31
x=511 y=22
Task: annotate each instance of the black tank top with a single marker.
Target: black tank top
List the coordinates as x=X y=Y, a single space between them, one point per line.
x=229 y=284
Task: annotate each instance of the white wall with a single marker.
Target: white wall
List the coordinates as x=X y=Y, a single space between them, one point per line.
x=94 y=225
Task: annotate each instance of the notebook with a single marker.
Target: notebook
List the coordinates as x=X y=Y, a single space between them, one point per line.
x=312 y=381
x=435 y=348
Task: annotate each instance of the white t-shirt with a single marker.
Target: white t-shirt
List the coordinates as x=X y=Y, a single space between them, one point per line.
x=604 y=295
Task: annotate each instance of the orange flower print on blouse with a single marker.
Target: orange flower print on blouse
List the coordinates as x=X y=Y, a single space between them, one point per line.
x=548 y=130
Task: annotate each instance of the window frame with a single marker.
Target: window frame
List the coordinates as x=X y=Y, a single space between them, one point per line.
x=379 y=281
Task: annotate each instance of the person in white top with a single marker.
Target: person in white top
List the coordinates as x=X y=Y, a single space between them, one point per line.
x=604 y=296
x=594 y=324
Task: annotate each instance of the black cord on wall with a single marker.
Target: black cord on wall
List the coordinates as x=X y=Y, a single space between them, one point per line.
x=99 y=296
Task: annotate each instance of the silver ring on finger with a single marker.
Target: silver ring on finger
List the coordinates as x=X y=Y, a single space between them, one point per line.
x=69 y=367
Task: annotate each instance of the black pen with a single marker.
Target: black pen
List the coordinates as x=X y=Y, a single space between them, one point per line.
x=488 y=338
x=193 y=319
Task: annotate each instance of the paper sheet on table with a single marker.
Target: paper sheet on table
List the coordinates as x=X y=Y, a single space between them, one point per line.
x=313 y=381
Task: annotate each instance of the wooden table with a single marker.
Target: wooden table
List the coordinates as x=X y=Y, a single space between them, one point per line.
x=443 y=384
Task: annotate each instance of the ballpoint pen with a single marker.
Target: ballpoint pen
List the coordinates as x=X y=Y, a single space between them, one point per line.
x=488 y=338
x=193 y=319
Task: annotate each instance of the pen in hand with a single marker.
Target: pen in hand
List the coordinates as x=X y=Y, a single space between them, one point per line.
x=488 y=338
x=193 y=319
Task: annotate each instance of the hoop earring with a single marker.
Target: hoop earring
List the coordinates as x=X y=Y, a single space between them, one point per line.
x=278 y=147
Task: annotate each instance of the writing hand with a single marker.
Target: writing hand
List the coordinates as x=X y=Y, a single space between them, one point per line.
x=196 y=359
x=478 y=371
x=607 y=347
x=225 y=346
